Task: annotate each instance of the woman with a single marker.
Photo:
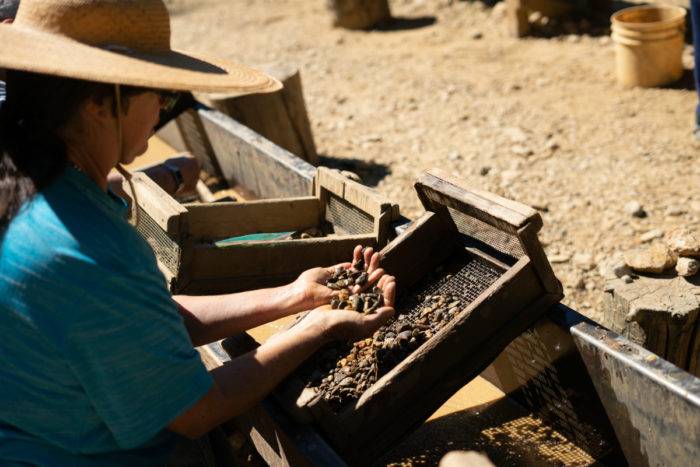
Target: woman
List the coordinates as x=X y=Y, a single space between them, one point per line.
x=98 y=359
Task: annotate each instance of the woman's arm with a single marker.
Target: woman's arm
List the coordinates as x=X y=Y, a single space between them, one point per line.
x=214 y=317
x=245 y=380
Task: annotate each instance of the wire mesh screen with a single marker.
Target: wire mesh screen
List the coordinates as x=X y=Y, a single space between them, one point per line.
x=347 y=218
x=502 y=241
x=167 y=250
x=542 y=392
x=466 y=278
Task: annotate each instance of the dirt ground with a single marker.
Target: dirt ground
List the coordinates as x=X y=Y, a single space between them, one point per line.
x=538 y=120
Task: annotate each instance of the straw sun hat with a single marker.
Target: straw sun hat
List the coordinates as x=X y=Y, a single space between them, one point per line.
x=116 y=41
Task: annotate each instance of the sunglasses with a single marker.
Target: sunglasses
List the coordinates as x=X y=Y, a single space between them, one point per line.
x=168 y=100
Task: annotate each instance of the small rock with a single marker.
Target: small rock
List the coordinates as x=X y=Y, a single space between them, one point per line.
x=684 y=242
x=621 y=270
x=584 y=261
x=651 y=235
x=454 y=155
x=560 y=258
x=515 y=134
x=534 y=18
x=476 y=35
x=627 y=279
x=675 y=211
x=552 y=145
x=499 y=10
x=633 y=208
x=656 y=259
x=508 y=177
x=687 y=267
x=520 y=150
x=484 y=171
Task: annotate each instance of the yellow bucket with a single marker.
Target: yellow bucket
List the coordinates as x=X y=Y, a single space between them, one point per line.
x=649 y=45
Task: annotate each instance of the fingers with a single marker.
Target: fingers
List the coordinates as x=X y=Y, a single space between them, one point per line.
x=389 y=291
x=374 y=262
x=367 y=252
x=356 y=254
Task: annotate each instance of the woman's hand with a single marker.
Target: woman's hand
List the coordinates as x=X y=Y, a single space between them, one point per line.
x=311 y=287
x=351 y=325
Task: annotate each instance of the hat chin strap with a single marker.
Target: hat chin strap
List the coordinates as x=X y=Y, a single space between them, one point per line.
x=120 y=151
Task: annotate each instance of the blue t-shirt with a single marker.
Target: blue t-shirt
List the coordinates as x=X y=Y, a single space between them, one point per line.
x=96 y=360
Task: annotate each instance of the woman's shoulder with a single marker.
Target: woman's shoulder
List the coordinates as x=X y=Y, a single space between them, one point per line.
x=52 y=226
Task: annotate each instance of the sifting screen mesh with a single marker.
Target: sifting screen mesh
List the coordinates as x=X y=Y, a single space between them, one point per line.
x=502 y=241
x=167 y=250
x=543 y=393
x=465 y=278
x=346 y=218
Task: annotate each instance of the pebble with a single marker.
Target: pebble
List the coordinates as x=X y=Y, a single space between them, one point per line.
x=656 y=259
x=559 y=258
x=684 y=242
x=584 y=261
x=675 y=211
x=651 y=235
x=687 y=267
x=476 y=35
x=627 y=279
x=515 y=134
x=520 y=150
x=633 y=208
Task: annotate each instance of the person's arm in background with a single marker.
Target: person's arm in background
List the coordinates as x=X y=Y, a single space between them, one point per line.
x=163 y=176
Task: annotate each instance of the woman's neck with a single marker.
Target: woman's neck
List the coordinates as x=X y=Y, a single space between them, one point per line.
x=90 y=166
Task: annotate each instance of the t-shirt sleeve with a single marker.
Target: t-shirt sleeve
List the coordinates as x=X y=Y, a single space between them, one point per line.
x=129 y=349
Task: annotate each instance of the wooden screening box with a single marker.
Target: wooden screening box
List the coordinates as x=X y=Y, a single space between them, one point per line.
x=496 y=265
x=187 y=237
x=249 y=163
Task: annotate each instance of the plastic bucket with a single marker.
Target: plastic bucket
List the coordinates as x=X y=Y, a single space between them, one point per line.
x=649 y=45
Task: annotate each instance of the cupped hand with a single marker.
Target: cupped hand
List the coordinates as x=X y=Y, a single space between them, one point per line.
x=345 y=324
x=310 y=287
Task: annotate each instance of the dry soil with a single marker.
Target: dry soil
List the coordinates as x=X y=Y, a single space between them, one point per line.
x=538 y=120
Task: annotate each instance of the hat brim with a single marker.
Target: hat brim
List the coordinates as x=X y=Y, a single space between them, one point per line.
x=37 y=51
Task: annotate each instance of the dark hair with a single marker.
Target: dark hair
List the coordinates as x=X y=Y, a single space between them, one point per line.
x=32 y=154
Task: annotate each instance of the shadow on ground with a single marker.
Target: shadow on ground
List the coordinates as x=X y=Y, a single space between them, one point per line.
x=371 y=173
x=401 y=23
x=686 y=83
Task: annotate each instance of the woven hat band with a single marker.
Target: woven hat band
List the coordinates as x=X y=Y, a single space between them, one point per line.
x=139 y=25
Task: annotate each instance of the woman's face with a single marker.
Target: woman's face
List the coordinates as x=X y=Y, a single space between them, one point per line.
x=138 y=124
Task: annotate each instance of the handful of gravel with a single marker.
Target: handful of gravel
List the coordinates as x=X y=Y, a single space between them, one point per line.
x=365 y=302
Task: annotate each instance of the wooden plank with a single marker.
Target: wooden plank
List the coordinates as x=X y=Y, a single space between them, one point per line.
x=367 y=199
x=270 y=258
x=532 y=247
x=327 y=179
x=248 y=159
x=191 y=129
x=498 y=212
x=222 y=220
x=420 y=248
x=162 y=207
